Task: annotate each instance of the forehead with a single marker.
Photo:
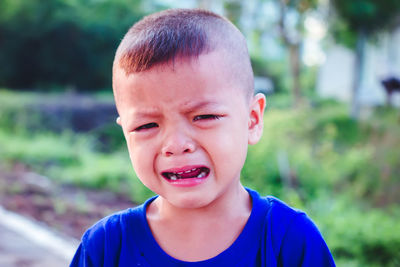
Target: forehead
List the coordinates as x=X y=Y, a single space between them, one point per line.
x=205 y=78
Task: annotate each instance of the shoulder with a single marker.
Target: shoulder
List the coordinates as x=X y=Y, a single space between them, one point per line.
x=109 y=227
x=282 y=219
x=279 y=218
x=280 y=209
x=293 y=238
x=276 y=212
x=114 y=226
x=103 y=242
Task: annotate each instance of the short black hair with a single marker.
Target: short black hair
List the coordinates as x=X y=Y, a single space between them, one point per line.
x=183 y=33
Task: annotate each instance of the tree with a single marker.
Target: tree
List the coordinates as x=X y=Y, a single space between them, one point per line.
x=60 y=43
x=292 y=14
x=362 y=20
x=292 y=36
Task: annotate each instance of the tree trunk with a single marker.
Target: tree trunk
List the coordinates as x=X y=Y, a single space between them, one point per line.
x=294 y=57
x=293 y=44
x=358 y=73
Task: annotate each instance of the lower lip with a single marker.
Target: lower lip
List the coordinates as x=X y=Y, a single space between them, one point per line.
x=188 y=182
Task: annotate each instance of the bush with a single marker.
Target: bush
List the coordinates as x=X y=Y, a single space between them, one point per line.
x=363 y=236
x=343 y=173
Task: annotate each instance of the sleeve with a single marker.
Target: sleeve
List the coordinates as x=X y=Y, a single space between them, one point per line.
x=82 y=257
x=303 y=245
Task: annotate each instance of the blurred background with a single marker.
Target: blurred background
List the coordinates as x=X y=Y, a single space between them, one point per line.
x=331 y=144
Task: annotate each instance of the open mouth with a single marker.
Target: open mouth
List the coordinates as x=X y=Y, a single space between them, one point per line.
x=191 y=173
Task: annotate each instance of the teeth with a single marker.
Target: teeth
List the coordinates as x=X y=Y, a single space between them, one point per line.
x=201 y=175
x=178 y=175
x=187 y=171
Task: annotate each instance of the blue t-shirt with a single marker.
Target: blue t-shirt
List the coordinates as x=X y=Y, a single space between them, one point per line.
x=274 y=235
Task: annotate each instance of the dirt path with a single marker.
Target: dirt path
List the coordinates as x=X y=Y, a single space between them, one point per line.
x=26 y=243
x=65 y=208
x=17 y=251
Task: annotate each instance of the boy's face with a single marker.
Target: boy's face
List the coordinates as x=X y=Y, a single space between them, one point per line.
x=187 y=125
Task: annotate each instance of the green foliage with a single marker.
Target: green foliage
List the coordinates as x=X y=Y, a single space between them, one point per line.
x=343 y=173
x=324 y=140
x=369 y=16
x=340 y=171
x=51 y=43
x=96 y=159
x=275 y=70
x=359 y=235
x=233 y=10
x=73 y=159
x=302 y=6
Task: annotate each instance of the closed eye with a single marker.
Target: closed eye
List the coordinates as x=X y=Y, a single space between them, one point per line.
x=207 y=117
x=146 y=126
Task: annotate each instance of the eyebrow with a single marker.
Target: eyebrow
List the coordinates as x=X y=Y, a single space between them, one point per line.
x=146 y=113
x=186 y=108
x=138 y=115
x=192 y=106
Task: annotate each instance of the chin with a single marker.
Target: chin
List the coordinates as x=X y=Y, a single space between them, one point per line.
x=191 y=201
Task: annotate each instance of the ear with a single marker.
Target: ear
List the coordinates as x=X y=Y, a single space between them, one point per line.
x=118 y=120
x=256 y=122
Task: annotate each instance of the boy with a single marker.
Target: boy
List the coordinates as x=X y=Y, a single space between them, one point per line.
x=183 y=87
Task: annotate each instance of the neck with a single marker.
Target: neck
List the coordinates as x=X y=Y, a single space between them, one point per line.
x=234 y=202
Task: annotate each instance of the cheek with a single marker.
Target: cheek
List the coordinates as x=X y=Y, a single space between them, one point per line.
x=141 y=155
x=131 y=148
x=236 y=135
x=142 y=162
x=229 y=146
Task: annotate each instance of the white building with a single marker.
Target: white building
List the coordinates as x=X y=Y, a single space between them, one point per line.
x=382 y=60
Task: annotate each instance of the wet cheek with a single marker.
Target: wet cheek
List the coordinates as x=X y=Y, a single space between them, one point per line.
x=138 y=155
x=129 y=145
x=144 y=156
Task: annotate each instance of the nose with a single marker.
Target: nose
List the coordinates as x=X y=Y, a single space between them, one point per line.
x=177 y=142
